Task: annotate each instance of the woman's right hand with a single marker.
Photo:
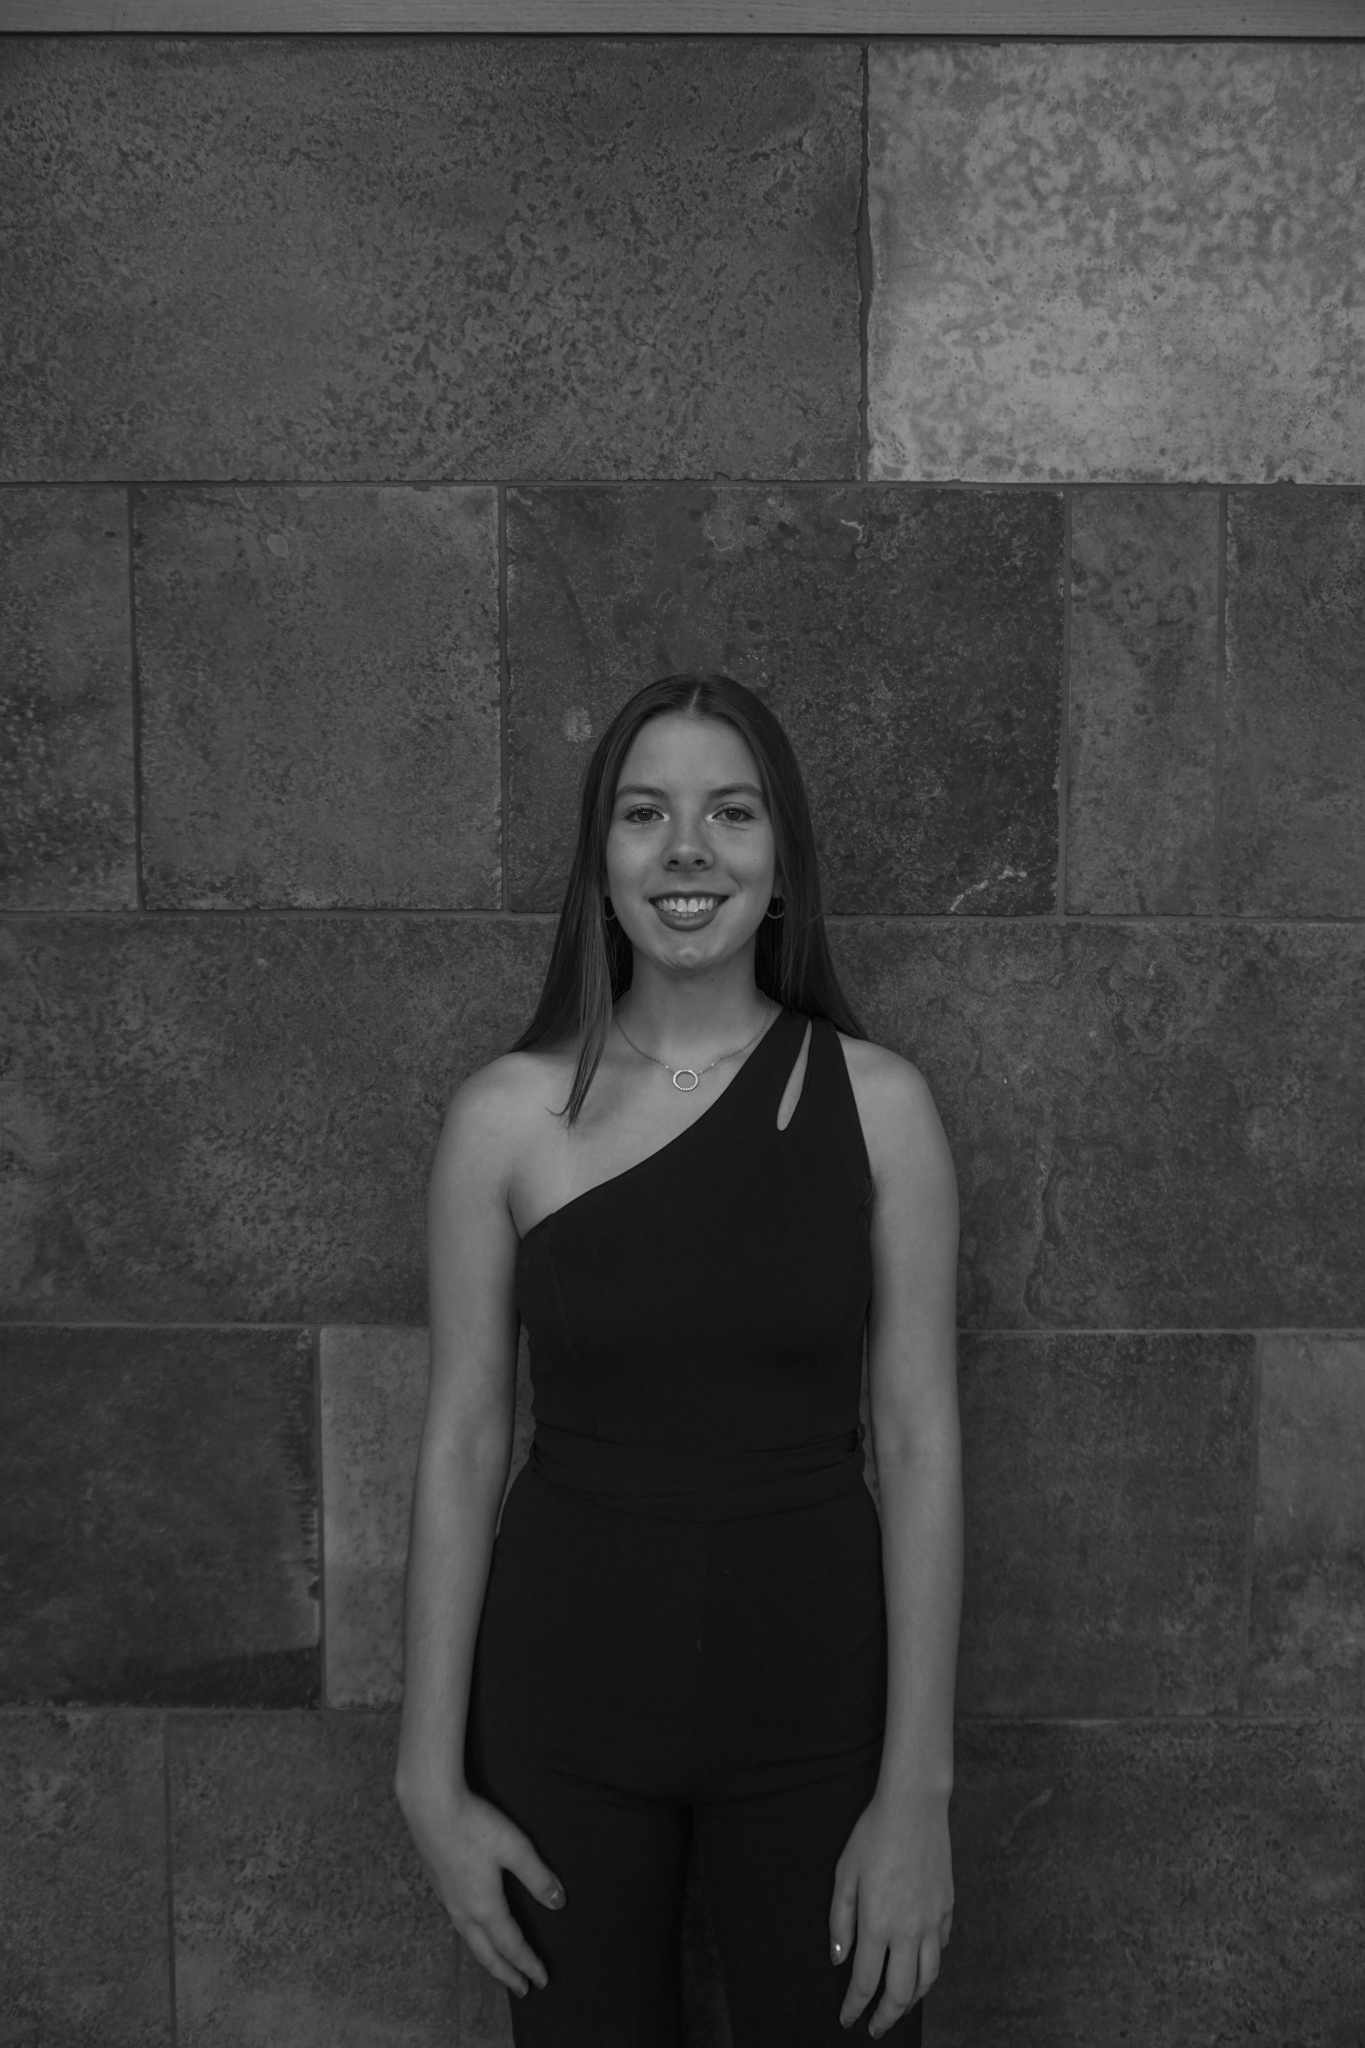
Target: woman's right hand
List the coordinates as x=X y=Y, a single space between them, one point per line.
x=465 y=1845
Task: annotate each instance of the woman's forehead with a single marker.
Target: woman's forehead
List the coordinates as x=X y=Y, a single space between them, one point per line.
x=683 y=745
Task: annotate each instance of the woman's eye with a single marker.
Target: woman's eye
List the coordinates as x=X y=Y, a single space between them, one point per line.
x=736 y=810
x=635 y=811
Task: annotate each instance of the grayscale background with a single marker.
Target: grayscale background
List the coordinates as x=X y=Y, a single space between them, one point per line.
x=375 y=415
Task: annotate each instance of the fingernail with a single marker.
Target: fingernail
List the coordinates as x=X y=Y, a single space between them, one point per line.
x=835 y=1950
x=557 y=1896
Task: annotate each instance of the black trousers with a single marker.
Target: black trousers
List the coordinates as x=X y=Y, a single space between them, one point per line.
x=636 y=1679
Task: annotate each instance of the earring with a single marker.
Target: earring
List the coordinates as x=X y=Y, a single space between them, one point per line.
x=776 y=916
x=608 y=912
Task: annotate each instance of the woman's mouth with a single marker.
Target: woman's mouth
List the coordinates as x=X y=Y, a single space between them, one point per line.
x=686 y=913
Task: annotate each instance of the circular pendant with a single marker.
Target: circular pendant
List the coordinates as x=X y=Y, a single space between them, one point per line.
x=686 y=1086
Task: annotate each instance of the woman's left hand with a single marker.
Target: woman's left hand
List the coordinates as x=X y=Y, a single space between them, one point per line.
x=894 y=1885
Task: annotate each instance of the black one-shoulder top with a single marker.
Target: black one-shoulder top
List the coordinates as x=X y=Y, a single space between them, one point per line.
x=696 y=1322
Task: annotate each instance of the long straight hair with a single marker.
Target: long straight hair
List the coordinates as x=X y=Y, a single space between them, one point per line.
x=590 y=964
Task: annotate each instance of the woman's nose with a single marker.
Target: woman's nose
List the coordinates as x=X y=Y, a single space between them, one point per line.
x=686 y=847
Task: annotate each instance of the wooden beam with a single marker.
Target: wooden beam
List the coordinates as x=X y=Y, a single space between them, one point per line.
x=694 y=17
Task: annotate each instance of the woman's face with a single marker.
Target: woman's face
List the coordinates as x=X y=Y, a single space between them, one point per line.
x=689 y=824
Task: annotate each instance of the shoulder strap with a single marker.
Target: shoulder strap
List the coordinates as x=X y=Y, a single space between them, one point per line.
x=827 y=1071
x=772 y=1060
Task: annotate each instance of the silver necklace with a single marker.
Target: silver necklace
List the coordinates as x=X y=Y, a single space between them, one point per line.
x=696 y=1073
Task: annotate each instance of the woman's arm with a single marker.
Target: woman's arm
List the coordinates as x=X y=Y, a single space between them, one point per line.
x=916 y=1439
x=896 y=1877
x=466 y=1444
x=461 y=1474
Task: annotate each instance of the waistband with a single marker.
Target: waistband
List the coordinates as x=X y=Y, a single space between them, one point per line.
x=697 y=1486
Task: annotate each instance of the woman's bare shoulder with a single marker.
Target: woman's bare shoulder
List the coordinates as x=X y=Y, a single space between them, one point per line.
x=881 y=1074
x=895 y=1104
x=494 y=1108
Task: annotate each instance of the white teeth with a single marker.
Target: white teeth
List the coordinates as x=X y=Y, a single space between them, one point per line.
x=687 y=906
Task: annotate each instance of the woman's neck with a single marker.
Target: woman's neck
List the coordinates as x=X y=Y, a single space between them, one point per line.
x=694 y=1015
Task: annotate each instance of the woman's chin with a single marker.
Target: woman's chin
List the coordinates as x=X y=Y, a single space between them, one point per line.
x=705 y=947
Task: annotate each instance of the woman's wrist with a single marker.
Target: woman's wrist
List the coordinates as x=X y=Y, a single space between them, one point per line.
x=914 y=1786
x=417 y=1781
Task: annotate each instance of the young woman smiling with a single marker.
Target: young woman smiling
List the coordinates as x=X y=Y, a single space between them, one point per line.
x=700 y=1186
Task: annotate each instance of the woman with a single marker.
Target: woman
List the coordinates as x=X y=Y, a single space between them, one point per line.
x=689 y=1178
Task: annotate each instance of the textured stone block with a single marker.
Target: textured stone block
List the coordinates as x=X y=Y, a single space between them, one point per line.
x=159 y=1509
x=67 y=831
x=232 y=1118
x=1142 y=740
x=1124 y=261
x=303 y=1917
x=437 y=257
x=374 y=1392
x=1163 y=1883
x=1108 y=1485
x=320 y=698
x=84 y=1954
x=1294 y=749
x=910 y=641
x=1154 y=1125
x=1308 y=1581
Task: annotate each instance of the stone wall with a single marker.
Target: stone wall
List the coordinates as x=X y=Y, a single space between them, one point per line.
x=376 y=413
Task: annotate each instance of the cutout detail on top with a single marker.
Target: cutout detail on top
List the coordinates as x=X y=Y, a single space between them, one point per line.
x=791 y=1094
